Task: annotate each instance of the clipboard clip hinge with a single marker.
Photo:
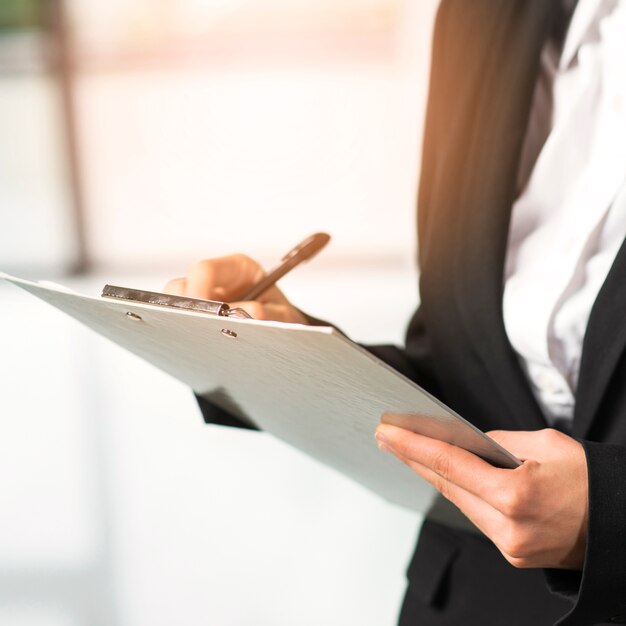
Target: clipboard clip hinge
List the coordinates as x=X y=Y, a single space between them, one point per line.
x=237 y=312
x=172 y=301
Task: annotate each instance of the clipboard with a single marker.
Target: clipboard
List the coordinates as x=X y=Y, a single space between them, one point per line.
x=310 y=386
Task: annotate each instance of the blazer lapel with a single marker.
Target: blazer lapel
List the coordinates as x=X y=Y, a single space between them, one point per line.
x=604 y=344
x=517 y=31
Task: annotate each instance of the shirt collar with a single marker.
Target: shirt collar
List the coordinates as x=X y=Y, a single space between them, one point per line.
x=583 y=26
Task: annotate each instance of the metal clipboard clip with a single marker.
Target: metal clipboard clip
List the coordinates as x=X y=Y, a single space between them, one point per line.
x=175 y=302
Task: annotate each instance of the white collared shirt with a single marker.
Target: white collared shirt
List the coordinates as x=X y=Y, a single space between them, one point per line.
x=569 y=220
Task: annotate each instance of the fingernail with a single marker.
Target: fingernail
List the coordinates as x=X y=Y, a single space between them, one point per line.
x=381 y=439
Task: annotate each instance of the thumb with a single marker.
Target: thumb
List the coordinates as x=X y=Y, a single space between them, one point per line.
x=521 y=444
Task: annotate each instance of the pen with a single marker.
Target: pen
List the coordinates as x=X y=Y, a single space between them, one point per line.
x=302 y=252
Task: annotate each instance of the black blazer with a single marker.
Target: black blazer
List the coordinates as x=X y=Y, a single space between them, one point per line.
x=484 y=67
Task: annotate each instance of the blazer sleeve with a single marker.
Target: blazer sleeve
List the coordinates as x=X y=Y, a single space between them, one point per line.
x=599 y=591
x=414 y=361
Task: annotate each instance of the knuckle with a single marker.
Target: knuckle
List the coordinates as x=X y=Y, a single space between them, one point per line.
x=241 y=258
x=256 y=309
x=245 y=261
x=247 y=266
x=546 y=433
x=201 y=267
x=171 y=286
x=513 y=501
x=550 y=436
x=508 y=504
x=516 y=544
x=441 y=464
x=519 y=563
x=530 y=467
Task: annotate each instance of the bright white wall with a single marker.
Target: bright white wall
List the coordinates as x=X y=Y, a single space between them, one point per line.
x=185 y=164
x=35 y=211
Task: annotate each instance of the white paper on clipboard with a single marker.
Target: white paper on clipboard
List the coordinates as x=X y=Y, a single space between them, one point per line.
x=309 y=386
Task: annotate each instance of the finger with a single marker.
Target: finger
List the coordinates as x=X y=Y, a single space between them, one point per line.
x=453 y=464
x=488 y=519
x=233 y=275
x=271 y=311
x=513 y=540
x=539 y=445
x=176 y=287
x=273 y=295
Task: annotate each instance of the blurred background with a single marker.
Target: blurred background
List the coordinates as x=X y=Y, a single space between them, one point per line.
x=137 y=136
